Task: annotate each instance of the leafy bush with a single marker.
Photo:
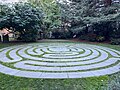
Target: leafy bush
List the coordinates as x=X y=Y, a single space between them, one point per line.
x=114 y=82
x=115 y=41
x=92 y=37
x=83 y=37
x=60 y=34
x=109 y=10
x=102 y=31
x=100 y=38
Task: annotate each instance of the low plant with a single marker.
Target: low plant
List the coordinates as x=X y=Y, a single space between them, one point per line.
x=115 y=41
x=114 y=82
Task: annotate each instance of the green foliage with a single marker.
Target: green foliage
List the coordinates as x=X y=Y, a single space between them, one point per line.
x=24 y=18
x=87 y=17
x=115 y=41
x=109 y=10
x=100 y=38
x=114 y=82
x=52 y=13
x=61 y=34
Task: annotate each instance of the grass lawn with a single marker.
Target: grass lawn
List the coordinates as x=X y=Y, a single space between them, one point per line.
x=8 y=82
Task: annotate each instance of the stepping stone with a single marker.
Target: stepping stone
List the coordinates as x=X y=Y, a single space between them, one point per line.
x=14 y=57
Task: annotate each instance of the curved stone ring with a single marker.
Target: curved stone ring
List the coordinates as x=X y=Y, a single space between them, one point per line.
x=59 y=60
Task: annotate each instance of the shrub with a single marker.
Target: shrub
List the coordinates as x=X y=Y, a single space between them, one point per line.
x=62 y=34
x=102 y=31
x=115 y=41
x=83 y=37
x=92 y=37
x=114 y=82
x=100 y=38
x=109 y=10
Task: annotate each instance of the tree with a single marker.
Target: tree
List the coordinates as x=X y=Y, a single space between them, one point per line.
x=24 y=18
x=90 y=16
x=52 y=19
x=108 y=2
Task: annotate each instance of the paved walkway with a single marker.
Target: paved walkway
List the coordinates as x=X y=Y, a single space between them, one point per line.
x=59 y=60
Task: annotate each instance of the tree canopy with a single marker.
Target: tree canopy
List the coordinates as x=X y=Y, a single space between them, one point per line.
x=24 y=18
x=51 y=11
x=65 y=18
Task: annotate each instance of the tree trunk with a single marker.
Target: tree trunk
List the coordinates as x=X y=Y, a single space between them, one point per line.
x=108 y=2
x=0 y=39
x=5 y=39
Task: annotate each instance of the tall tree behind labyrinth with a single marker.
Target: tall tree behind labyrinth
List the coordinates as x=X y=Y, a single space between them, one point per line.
x=74 y=12
x=79 y=13
x=51 y=10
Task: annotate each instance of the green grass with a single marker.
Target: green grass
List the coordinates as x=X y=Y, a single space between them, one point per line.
x=8 y=82
x=17 y=83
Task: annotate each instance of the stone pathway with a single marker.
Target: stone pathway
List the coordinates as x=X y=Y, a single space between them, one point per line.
x=59 y=60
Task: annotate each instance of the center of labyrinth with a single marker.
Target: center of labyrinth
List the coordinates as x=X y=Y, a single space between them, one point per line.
x=63 y=60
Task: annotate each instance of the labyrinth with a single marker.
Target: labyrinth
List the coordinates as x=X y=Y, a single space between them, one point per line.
x=59 y=60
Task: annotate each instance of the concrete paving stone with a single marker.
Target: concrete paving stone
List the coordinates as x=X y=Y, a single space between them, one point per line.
x=3 y=49
x=30 y=51
x=59 y=49
x=4 y=58
x=92 y=66
x=114 y=53
x=45 y=63
x=38 y=50
x=7 y=70
x=87 y=52
x=23 y=65
x=54 y=75
x=23 y=54
x=101 y=72
x=107 y=71
x=103 y=56
x=52 y=62
x=111 y=51
x=29 y=74
x=46 y=50
x=14 y=55
x=80 y=74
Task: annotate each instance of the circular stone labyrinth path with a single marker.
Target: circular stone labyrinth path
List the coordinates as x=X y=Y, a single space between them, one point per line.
x=59 y=60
